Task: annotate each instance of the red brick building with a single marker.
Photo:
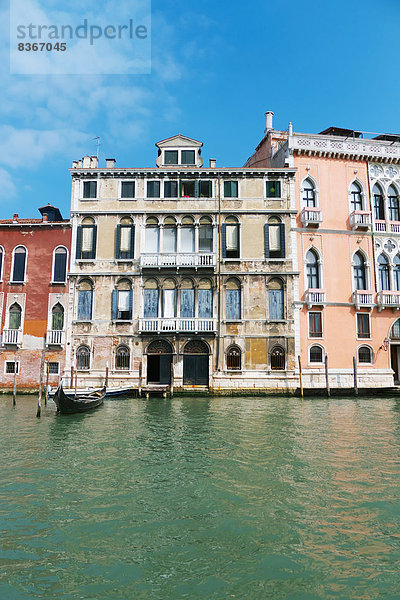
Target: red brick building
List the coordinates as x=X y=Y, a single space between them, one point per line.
x=34 y=262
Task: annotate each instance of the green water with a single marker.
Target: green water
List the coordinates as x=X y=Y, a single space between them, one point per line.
x=245 y=498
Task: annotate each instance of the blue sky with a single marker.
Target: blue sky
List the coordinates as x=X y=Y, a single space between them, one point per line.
x=216 y=68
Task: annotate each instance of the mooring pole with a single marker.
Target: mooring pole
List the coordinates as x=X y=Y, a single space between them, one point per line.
x=171 y=392
x=328 y=391
x=46 y=394
x=39 y=407
x=72 y=377
x=15 y=381
x=301 y=378
x=140 y=380
x=76 y=380
x=355 y=376
x=106 y=381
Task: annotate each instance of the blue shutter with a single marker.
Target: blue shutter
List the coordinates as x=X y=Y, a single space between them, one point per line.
x=233 y=305
x=205 y=304
x=130 y=303
x=150 y=309
x=118 y=242
x=94 y=246
x=79 y=242
x=276 y=307
x=266 y=240
x=85 y=298
x=223 y=240
x=114 y=305
x=132 y=248
x=187 y=304
x=197 y=188
x=282 y=235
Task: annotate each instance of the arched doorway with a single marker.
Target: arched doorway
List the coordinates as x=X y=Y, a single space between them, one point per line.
x=195 y=363
x=395 y=350
x=159 y=361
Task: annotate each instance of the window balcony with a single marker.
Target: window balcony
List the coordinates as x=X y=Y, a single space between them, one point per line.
x=363 y=299
x=12 y=337
x=395 y=226
x=311 y=216
x=174 y=324
x=380 y=225
x=55 y=338
x=175 y=260
x=361 y=219
x=315 y=297
x=388 y=299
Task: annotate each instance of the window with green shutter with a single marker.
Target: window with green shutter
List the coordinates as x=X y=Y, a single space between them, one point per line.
x=273 y=189
x=231 y=189
x=127 y=189
x=90 y=189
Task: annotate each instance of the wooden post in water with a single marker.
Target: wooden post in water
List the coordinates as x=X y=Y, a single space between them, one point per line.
x=76 y=380
x=106 y=381
x=72 y=378
x=140 y=380
x=301 y=378
x=39 y=407
x=355 y=376
x=15 y=381
x=171 y=391
x=46 y=394
x=328 y=391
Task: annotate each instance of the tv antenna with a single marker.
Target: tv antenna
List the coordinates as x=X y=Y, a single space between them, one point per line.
x=98 y=145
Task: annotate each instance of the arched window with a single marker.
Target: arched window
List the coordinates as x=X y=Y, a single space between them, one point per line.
x=19 y=264
x=309 y=197
x=187 y=299
x=86 y=240
x=233 y=300
x=168 y=299
x=83 y=358
x=150 y=304
x=205 y=299
x=187 y=235
x=276 y=300
x=15 y=315
x=359 y=272
x=122 y=301
x=85 y=300
x=230 y=238
x=234 y=358
x=316 y=354
x=313 y=275
x=57 y=318
x=378 y=203
x=169 y=235
x=278 y=358
x=393 y=201
x=1 y=262
x=60 y=265
x=125 y=239
x=356 y=197
x=383 y=268
x=122 y=358
x=206 y=241
x=274 y=235
x=395 y=331
x=396 y=272
x=365 y=355
x=152 y=235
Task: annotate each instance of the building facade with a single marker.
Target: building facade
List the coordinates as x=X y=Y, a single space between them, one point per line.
x=183 y=271
x=347 y=231
x=34 y=259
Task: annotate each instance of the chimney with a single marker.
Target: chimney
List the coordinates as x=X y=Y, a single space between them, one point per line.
x=268 y=120
x=213 y=163
x=110 y=163
x=94 y=162
x=74 y=164
x=45 y=218
x=15 y=217
x=290 y=128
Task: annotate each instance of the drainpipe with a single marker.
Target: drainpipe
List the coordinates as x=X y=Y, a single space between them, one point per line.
x=219 y=256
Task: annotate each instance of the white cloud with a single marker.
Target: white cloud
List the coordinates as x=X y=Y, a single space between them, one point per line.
x=8 y=189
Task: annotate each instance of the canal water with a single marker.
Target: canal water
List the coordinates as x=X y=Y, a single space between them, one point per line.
x=246 y=498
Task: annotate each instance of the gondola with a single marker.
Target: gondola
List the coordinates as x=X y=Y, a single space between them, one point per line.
x=68 y=404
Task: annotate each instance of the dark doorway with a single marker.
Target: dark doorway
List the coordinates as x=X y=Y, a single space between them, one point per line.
x=159 y=361
x=394 y=359
x=195 y=363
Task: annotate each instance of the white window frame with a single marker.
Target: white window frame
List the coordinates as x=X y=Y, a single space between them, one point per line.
x=58 y=368
x=316 y=364
x=53 y=266
x=130 y=180
x=321 y=312
x=12 y=265
x=366 y=364
x=359 y=312
x=316 y=191
x=83 y=181
x=2 y=263
x=11 y=361
x=363 y=197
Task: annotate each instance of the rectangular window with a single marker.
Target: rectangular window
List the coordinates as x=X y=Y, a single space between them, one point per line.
x=231 y=189
x=232 y=241
x=315 y=324
x=169 y=239
x=54 y=368
x=153 y=189
x=205 y=299
x=171 y=157
x=10 y=367
x=233 y=308
x=19 y=265
x=187 y=157
x=363 y=327
x=125 y=237
x=151 y=239
x=85 y=301
x=188 y=189
x=128 y=189
x=205 y=238
x=90 y=189
x=205 y=189
x=273 y=189
x=150 y=309
x=124 y=305
x=187 y=239
x=187 y=304
x=170 y=189
x=276 y=305
x=169 y=303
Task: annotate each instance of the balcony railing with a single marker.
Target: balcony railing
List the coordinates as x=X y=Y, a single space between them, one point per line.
x=311 y=216
x=178 y=260
x=363 y=298
x=12 y=337
x=315 y=297
x=360 y=219
x=177 y=324
x=55 y=338
x=380 y=225
x=395 y=226
x=388 y=299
